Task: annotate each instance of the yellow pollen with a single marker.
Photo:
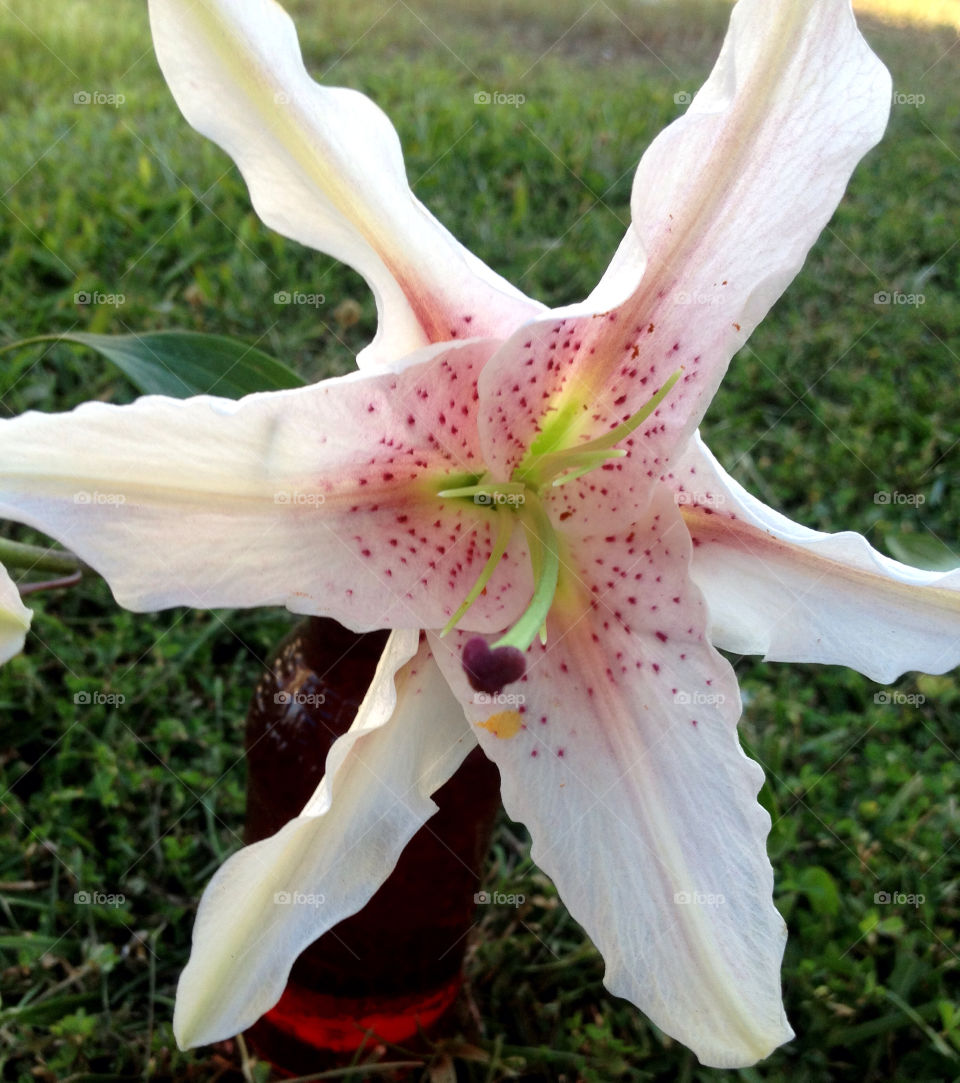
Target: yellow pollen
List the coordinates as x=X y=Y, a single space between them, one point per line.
x=504 y=724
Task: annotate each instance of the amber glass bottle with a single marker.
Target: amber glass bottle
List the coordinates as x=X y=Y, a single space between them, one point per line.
x=391 y=972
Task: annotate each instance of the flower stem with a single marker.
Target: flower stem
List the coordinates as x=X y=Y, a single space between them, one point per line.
x=37 y=558
x=50 y=584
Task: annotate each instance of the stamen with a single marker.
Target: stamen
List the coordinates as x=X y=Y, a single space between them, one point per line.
x=504 y=663
x=505 y=525
x=581 y=458
x=490 y=667
x=544 y=549
x=508 y=488
x=553 y=433
x=585 y=463
x=614 y=436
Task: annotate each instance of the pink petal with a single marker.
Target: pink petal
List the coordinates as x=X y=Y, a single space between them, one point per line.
x=793 y=594
x=324 y=166
x=14 y=618
x=726 y=203
x=625 y=766
x=270 y=900
x=322 y=499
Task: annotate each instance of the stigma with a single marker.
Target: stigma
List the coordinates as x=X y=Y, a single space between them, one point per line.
x=489 y=669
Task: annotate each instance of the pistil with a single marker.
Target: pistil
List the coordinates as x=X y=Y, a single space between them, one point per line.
x=489 y=667
x=544 y=547
x=505 y=525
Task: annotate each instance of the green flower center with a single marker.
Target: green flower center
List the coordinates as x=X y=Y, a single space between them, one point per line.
x=548 y=463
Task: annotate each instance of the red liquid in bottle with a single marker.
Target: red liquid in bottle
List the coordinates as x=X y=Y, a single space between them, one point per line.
x=394 y=968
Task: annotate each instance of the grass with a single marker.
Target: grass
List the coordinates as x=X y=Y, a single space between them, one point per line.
x=834 y=399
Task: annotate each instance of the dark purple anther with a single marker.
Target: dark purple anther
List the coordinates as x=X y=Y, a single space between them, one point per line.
x=491 y=670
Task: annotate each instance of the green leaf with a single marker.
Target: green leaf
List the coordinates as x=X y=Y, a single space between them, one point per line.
x=185 y=363
x=820 y=889
x=923 y=551
x=47 y=1011
x=914 y=1016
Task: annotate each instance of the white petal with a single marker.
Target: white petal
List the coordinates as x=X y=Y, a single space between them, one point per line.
x=272 y=899
x=14 y=618
x=625 y=767
x=316 y=498
x=728 y=200
x=793 y=594
x=324 y=166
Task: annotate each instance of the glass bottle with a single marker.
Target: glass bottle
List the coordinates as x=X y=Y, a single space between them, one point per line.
x=393 y=971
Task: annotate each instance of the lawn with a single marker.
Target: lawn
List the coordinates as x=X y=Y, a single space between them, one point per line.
x=837 y=399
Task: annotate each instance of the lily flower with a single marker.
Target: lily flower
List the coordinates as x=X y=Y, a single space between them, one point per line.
x=14 y=618
x=522 y=497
